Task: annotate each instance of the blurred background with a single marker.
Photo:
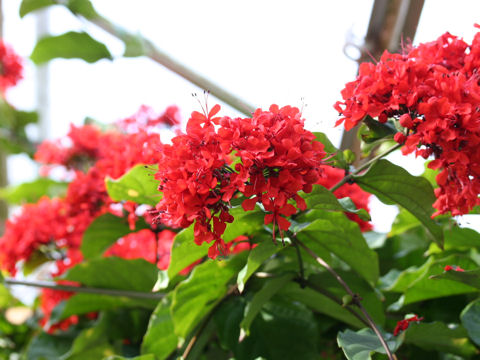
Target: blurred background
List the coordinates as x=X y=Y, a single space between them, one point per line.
x=263 y=52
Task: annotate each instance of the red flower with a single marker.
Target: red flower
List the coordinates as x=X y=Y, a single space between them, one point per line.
x=403 y=325
x=433 y=91
x=454 y=268
x=10 y=67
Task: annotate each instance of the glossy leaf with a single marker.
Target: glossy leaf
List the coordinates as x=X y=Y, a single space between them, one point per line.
x=336 y=233
x=28 y=6
x=137 y=185
x=49 y=347
x=394 y=185
x=270 y=288
x=471 y=277
x=205 y=287
x=362 y=344
x=470 y=317
x=440 y=337
x=71 y=45
x=103 y=232
x=160 y=338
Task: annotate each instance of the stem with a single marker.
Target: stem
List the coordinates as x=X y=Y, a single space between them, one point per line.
x=355 y=297
x=162 y=58
x=350 y=176
x=84 y=289
x=337 y=300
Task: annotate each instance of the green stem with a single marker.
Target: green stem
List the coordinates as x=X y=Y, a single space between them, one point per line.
x=162 y=58
x=363 y=167
x=355 y=298
x=85 y=289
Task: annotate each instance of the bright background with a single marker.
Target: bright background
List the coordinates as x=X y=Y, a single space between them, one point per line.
x=264 y=51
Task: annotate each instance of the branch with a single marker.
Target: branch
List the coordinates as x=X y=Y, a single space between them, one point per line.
x=355 y=298
x=162 y=58
x=85 y=289
x=350 y=176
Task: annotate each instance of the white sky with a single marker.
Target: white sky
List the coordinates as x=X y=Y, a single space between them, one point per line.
x=264 y=51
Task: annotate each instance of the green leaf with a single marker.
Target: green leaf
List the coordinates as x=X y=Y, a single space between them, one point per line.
x=82 y=7
x=348 y=206
x=470 y=318
x=373 y=130
x=31 y=192
x=461 y=238
x=394 y=185
x=103 y=232
x=78 y=45
x=227 y=319
x=28 y=6
x=141 y=357
x=114 y=273
x=321 y=198
x=471 y=278
x=440 y=337
x=333 y=153
x=160 y=338
x=270 y=288
x=49 y=347
x=81 y=303
x=137 y=185
x=336 y=233
x=256 y=257
x=431 y=281
x=205 y=287
x=362 y=344
x=404 y=222
x=283 y=330
x=185 y=252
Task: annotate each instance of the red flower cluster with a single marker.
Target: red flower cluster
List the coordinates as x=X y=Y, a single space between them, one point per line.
x=432 y=91
x=403 y=325
x=278 y=158
x=10 y=67
x=359 y=197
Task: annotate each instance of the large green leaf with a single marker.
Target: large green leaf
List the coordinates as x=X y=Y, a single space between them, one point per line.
x=440 y=337
x=362 y=344
x=197 y=296
x=185 y=252
x=430 y=281
x=470 y=317
x=394 y=185
x=28 y=6
x=31 y=192
x=49 y=347
x=137 y=185
x=256 y=257
x=336 y=233
x=71 y=45
x=115 y=273
x=270 y=288
x=160 y=338
x=471 y=277
x=103 y=232
x=81 y=303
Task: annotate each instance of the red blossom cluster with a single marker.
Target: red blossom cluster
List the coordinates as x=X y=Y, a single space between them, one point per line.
x=58 y=224
x=403 y=325
x=276 y=158
x=10 y=67
x=359 y=197
x=433 y=92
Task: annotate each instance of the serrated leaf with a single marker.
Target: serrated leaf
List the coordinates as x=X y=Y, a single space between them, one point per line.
x=270 y=288
x=103 y=232
x=160 y=338
x=205 y=287
x=71 y=45
x=341 y=236
x=137 y=185
x=394 y=185
x=28 y=6
x=438 y=336
x=256 y=257
x=362 y=344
